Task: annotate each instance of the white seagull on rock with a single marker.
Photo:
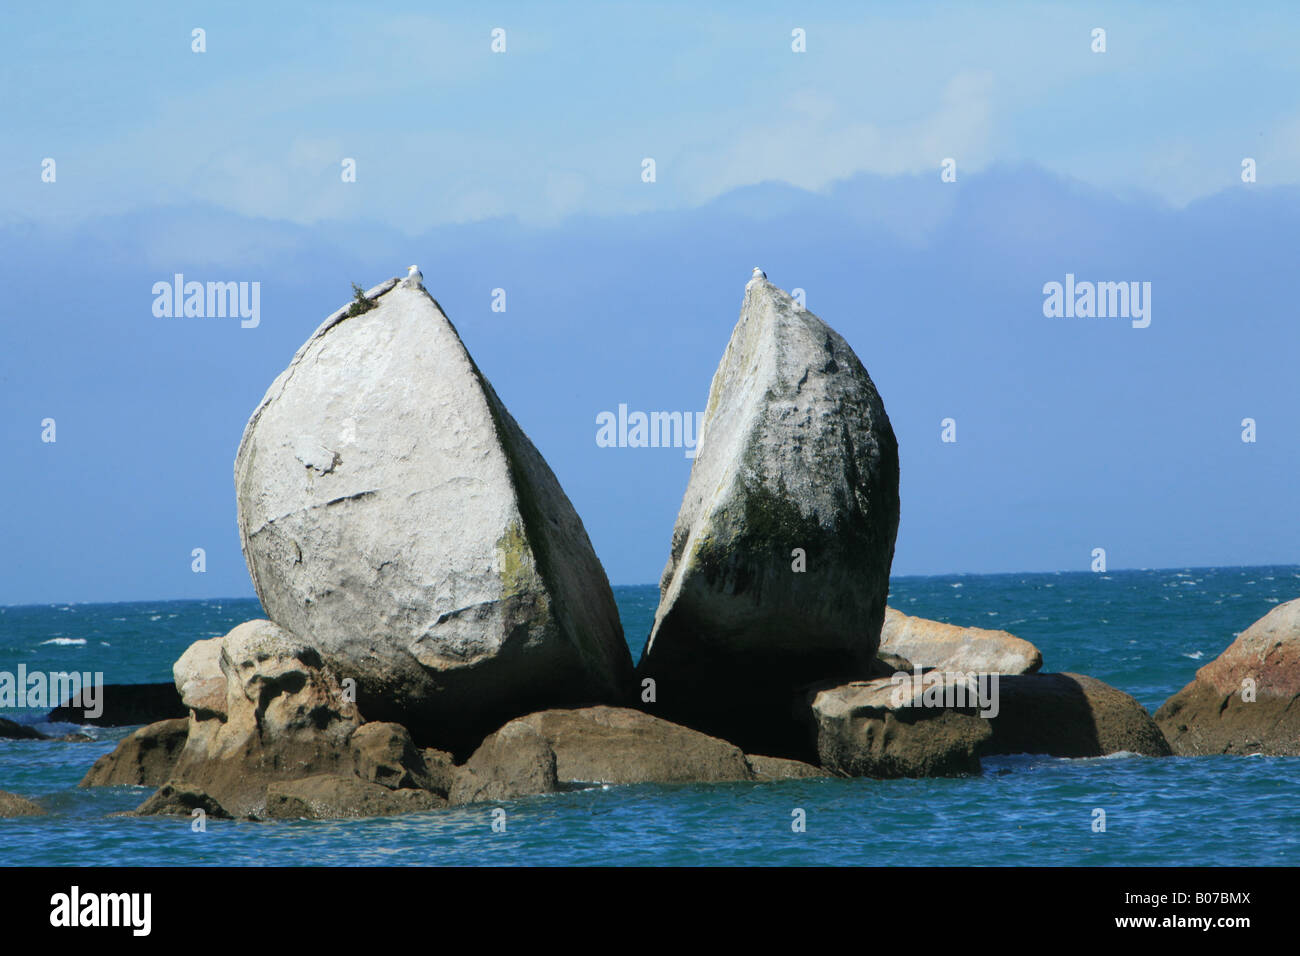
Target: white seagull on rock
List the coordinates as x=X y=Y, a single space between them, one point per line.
x=758 y=274
x=414 y=277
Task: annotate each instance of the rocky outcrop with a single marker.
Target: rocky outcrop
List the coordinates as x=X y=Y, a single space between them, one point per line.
x=916 y=642
x=12 y=805
x=1245 y=701
x=286 y=717
x=283 y=740
x=392 y=509
x=1070 y=715
x=124 y=705
x=561 y=749
x=144 y=759
x=884 y=728
x=780 y=558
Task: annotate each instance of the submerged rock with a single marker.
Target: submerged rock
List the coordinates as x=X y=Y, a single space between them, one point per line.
x=1245 y=700
x=780 y=558
x=12 y=805
x=390 y=507
x=1070 y=715
x=144 y=759
x=949 y=647
x=560 y=749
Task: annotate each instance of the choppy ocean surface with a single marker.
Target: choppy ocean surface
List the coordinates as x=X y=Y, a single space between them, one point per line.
x=1146 y=632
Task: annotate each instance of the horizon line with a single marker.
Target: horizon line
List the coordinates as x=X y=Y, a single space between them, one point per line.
x=892 y=578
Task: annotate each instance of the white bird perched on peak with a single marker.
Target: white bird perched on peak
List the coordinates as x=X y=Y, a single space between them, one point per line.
x=758 y=273
x=413 y=276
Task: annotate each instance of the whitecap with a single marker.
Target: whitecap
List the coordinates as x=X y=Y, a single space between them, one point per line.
x=1195 y=655
x=65 y=640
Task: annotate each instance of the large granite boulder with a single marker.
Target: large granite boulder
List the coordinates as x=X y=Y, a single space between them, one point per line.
x=932 y=645
x=1070 y=715
x=1246 y=700
x=143 y=759
x=887 y=728
x=391 y=508
x=560 y=749
x=779 y=567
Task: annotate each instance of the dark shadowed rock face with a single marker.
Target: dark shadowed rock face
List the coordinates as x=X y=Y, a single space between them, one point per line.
x=390 y=507
x=1246 y=700
x=1070 y=715
x=144 y=759
x=797 y=453
x=561 y=749
x=12 y=805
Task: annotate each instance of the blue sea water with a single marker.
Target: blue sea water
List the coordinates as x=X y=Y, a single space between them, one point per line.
x=1145 y=632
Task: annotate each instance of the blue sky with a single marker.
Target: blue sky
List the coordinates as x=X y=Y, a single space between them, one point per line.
x=522 y=171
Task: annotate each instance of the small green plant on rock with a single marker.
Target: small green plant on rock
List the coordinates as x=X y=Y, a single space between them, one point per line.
x=360 y=303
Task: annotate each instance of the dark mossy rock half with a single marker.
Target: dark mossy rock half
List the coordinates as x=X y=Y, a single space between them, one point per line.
x=779 y=564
